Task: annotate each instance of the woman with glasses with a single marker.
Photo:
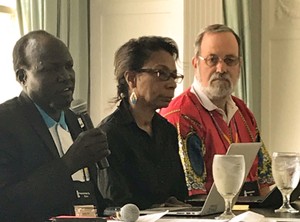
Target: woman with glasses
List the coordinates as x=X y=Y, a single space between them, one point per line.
x=145 y=167
x=209 y=118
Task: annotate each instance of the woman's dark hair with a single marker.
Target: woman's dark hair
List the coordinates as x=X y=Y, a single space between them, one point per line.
x=133 y=54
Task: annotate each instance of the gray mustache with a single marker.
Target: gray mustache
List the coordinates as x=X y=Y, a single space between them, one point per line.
x=218 y=75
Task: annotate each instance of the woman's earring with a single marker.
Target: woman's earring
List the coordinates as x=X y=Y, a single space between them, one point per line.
x=133 y=98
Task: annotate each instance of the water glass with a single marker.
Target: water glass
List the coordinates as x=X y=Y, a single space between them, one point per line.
x=229 y=175
x=286 y=173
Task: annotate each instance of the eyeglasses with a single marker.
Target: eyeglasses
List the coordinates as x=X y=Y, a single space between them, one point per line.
x=163 y=74
x=213 y=60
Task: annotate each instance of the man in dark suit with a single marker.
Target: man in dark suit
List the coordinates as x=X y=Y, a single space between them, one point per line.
x=38 y=157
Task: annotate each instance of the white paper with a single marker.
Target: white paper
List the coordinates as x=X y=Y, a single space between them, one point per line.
x=188 y=220
x=248 y=216
x=147 y=218
x=269 y=219
x=152 y=217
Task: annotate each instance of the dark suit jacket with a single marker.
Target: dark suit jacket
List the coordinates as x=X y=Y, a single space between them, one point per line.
x=34 y=182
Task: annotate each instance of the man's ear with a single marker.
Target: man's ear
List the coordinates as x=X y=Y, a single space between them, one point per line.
x=21 y=76
x=130 y=78
x=195 y=62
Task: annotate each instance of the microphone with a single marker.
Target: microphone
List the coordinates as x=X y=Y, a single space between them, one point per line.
x=79 y=107
x=129 y=213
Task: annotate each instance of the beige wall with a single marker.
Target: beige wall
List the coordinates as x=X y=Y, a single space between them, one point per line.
x=113 y=22
x=280 y=74
x=116 y=21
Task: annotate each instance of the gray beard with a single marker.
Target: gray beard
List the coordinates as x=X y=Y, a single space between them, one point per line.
x=218 y=90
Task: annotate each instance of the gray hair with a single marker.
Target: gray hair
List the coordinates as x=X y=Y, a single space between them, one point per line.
x=215 y=28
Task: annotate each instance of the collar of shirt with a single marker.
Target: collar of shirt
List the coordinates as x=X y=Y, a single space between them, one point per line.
x=51 y=122
x=127 y=117
x=231 y=107
x=126 y=114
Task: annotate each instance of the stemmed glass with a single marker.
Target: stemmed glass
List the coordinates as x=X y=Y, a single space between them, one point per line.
x=229 y=175
x=286 y=173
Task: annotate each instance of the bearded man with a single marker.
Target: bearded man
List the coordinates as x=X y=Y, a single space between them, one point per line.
x=209 y=118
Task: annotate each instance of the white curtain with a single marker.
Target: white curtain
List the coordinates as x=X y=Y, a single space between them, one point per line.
x=69 y=21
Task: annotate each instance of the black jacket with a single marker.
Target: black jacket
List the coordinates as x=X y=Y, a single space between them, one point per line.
x=34 y=182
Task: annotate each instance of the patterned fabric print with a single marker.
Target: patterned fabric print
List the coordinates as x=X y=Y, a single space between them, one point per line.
x=187 y=112
x=264 y=166
x=191 y=151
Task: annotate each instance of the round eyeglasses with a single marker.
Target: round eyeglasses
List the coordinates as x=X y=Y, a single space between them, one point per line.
x=164 y=74
x=213 y=60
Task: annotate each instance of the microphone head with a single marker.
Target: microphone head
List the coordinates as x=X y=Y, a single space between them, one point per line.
x=129 y=213
x=78 y=106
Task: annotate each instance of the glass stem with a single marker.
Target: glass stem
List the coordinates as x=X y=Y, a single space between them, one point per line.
x=286 y=200
x=228 y=206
